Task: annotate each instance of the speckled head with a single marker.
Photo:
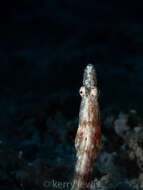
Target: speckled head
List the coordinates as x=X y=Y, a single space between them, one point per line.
x=89 y=77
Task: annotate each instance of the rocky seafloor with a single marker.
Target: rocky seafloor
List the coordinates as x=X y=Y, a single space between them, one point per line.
x=37 y=144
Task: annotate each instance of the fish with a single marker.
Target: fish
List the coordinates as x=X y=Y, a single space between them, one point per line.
x=88 y=136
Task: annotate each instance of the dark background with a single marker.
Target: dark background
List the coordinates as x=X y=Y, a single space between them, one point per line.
x=44 y=48
x=46 y=45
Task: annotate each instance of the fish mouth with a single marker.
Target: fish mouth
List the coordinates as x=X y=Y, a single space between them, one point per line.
x=89 y=77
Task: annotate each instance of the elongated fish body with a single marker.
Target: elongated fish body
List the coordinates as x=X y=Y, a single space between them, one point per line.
x=88 y=137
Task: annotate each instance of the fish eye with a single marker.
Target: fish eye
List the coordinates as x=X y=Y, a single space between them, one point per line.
x=94 y=92
x=82 y=91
